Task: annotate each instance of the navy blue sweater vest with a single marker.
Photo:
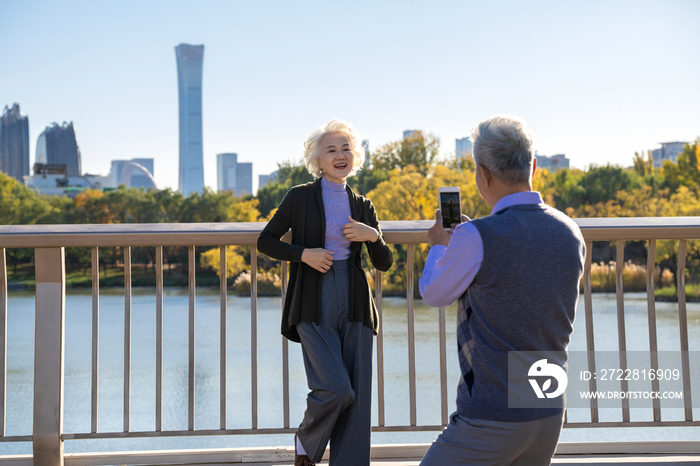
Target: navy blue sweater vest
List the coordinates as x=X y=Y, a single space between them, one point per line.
x=523 y=298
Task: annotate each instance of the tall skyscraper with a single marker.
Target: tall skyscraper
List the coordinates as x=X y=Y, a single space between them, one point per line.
x=14 y=143
x=463 y=147
x=57 y=146
x=234 y=176
x=189 y=78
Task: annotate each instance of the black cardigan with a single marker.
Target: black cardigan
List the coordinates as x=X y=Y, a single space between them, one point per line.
x=302 y=211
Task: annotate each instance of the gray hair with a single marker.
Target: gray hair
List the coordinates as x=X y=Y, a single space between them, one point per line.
x=503 y=144
x=312 y=146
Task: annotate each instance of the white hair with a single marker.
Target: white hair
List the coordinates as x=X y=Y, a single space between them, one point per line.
x=503 y=144
x=312 y=146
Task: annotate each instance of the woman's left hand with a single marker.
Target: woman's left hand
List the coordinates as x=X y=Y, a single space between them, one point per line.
x=359 y=232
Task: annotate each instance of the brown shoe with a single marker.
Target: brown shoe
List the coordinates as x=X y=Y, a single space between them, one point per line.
x=301 y=460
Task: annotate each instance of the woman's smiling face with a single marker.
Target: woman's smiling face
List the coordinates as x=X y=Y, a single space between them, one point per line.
x=336 y=159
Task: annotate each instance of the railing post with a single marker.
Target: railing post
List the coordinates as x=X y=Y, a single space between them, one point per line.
x=48 y=356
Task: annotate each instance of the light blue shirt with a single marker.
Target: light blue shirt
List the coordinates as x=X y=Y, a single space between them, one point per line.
x=449 y=270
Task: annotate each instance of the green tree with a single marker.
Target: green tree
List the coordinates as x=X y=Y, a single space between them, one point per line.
x=643 y=167
x=686 y=170
x=418 y=150
x=20 y=206
x=288 y=174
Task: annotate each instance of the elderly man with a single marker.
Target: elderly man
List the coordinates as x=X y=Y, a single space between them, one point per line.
x=516 y=276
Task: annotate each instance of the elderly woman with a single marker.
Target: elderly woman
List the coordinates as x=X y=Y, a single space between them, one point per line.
x=329 y=308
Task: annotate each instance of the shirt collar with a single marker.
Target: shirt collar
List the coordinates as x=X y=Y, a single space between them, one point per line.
x=329 y=185
x=525 y=197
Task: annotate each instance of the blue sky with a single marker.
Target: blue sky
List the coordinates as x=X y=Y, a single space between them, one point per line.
x=596 y=80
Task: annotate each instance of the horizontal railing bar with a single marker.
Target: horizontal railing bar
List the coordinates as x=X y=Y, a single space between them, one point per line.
x=291 y=430
x=214 y=432
x=131 y=234
x=246 y=233
x=588 y=425
x=18 y=438
x=381 y=453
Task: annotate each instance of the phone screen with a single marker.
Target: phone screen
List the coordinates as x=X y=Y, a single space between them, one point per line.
x=449 y=206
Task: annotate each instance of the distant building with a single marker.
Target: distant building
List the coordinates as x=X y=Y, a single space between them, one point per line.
x=53 y=180
x=244 y=179
x=265 y=179
x=134 y=173
x=668 y=151
x=14 y=143
x=233 y=175
x=409 y=133
x=463 y=147
x=553 y=163
x=189 y=78
x=57 y=145
x=226 y=171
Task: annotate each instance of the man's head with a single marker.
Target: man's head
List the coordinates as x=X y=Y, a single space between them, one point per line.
x=502 y=148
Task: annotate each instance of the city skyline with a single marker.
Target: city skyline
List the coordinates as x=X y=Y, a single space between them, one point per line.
x=591 y=80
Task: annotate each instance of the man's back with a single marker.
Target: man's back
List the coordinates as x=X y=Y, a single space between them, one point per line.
x=523 y=298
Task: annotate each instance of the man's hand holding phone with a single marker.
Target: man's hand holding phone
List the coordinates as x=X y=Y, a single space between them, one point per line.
x=438 y=234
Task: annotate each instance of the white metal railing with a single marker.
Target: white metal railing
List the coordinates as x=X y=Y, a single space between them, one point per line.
x=49 y=242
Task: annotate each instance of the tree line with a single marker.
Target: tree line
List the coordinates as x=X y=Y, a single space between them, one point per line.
x=401 y=178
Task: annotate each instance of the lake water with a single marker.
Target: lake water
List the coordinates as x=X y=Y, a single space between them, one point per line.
x=20 y=360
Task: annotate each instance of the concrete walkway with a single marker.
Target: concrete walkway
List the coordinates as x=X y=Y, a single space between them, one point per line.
x=617 y=460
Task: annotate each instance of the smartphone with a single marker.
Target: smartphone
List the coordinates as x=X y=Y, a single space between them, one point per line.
x=450 y=206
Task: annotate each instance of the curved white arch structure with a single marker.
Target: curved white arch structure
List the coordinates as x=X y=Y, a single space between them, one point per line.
x=132 y=168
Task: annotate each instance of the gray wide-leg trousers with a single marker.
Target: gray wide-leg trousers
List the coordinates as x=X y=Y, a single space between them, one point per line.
x=338 y=362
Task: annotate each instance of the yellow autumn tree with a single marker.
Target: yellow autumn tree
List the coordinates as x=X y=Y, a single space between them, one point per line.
x=409 y=194
x=238 y=210
x=235 y=262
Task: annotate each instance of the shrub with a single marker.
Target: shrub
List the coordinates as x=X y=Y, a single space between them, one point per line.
x=269 y=284
x=634 y=276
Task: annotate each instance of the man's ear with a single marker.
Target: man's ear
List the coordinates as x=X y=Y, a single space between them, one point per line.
x=486 y=175
x=534 y=168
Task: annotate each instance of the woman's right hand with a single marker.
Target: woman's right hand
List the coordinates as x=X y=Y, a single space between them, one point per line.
x=318 y=258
